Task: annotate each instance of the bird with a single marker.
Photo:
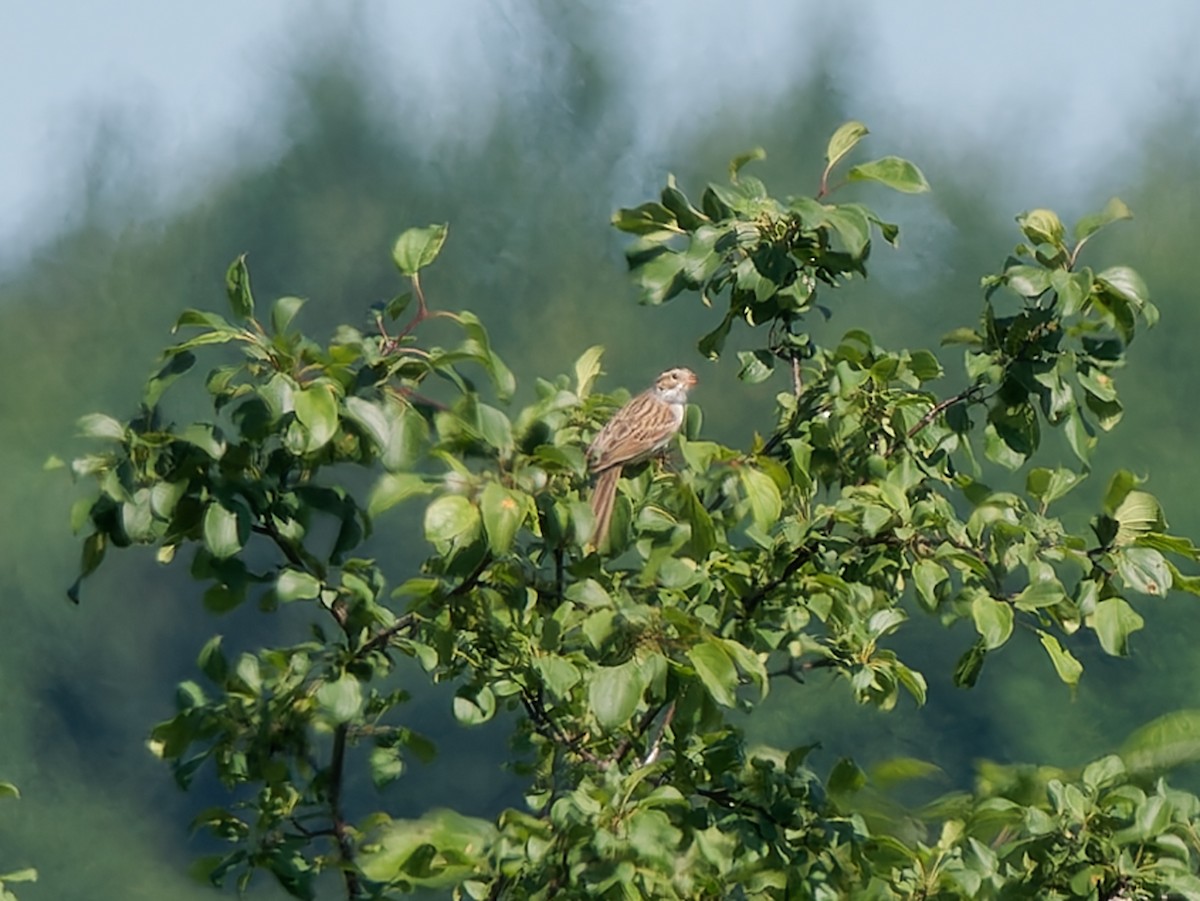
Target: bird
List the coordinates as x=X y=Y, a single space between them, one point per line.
x=635 y=433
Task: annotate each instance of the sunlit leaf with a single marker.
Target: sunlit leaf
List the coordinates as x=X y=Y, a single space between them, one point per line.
x=416 y=248
x=224 y=531
x=1114 y=621
x=1068 y=668
x=614 y=693
x=716 y=670
x=342 y=699
x=993 y=620
x=892 y=171
x=843 y=140
x=503 y=511
x=1113 y=211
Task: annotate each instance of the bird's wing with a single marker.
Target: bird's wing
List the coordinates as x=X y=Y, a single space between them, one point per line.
x=637 y=430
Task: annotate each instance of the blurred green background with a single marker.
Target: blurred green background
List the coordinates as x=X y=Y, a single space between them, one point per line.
x=524 y=125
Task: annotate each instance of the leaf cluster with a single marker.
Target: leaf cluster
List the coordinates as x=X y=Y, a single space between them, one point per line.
x=864 y=502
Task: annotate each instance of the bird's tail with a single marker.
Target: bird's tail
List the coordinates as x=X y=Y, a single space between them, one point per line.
x=603 y=497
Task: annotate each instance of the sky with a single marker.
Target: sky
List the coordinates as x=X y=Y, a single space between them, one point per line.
x=1075 y=83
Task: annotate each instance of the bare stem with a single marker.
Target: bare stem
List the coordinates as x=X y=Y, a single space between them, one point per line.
x=337 y=767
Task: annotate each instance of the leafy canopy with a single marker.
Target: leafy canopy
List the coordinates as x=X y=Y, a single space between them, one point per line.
x=867 y=502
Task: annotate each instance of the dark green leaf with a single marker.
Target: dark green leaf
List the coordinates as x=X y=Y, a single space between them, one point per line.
x=237 y=288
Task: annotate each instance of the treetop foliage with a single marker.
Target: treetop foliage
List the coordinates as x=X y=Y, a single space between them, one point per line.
x=865 y=499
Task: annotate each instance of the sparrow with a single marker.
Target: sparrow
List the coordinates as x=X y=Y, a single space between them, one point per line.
x=636 y=432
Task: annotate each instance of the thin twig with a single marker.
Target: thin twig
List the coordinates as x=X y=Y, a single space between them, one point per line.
x=626 y=744
x=652 y=754
x=939 y=407
x=380 y=639
x=546 y=727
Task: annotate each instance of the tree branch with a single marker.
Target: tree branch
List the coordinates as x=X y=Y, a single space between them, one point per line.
x=545 y=726
x=337 y=766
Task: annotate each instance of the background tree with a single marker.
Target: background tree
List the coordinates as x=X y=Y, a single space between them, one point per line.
x=803 y=550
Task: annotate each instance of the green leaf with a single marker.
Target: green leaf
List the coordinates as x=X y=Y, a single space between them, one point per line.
x=969 y=665
x=716 y=670
x=449 y=517
x=766 y=503
x=1048 y=485
x=237 y=288
x=558 y=674
x=927 y=575
x=97 y=425
x=341 y=700
x=296 y=585
x=1045 y=592
x=176 y=365
x=316 y=408
x=1114 y=621
x=1126 y=283
x=394 y=487
x=892 y=171
x=749 y=663
x=587 y=368
x=372 y=418
x=614 y=693
x=843 y=140
x=1136 y=515
x=224 y=532
x=846 y=777
x=1068 y=668
x=283 y=311
x=473 y=705
x=418 y=247
x=1042 y=227
x=386 y=764
x=757 y=366
x=1144 y=569
x=993 y=620
x=409 y=436
x=736 y=164
x=1113 y=211
x=8 y=790
x=503 y=511
x=1164 y=743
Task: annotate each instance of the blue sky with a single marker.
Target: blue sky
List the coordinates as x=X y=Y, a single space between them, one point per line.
x=1081 y=80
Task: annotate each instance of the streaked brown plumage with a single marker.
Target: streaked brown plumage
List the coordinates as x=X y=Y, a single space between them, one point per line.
x=637 y=431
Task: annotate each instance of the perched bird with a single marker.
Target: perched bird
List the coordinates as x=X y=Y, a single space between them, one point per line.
x=636 y=432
